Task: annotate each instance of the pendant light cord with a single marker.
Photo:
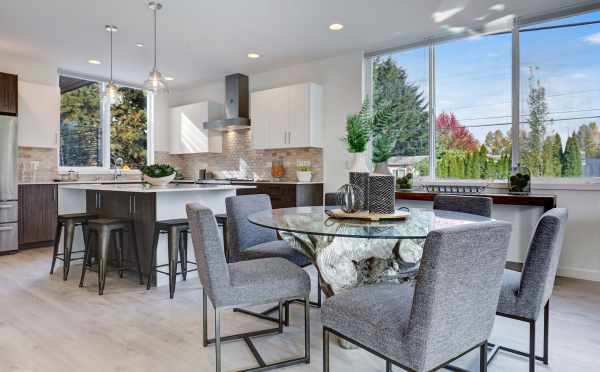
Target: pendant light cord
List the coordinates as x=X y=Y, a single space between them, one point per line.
x=155 y=38
x=110 y=31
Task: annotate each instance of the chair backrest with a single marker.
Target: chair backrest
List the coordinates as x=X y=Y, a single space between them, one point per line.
x=541 y=264
x=331 y=198
x=456 y=291
x=242 y=233
x=479 y=205
x=210 y=256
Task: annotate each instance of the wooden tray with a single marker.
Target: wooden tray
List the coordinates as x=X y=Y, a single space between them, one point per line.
x=365 y=215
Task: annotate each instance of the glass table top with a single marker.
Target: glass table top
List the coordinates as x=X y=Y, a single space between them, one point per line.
x=314 y=221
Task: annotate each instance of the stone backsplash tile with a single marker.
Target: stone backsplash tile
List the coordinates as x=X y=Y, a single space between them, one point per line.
x=36 y=164
x=240 y=160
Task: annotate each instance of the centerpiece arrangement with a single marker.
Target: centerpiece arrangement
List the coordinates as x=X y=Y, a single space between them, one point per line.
x=158 y=174
x=304 y=173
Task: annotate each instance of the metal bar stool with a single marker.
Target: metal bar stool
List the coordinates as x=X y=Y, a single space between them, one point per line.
x=69 y=222
x=177 y=230
x=105 y=230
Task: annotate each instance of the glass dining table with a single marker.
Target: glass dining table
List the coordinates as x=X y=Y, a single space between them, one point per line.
x=348 y=252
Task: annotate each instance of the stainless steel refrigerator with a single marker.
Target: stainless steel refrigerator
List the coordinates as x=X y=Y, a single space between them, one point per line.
x=9 y=205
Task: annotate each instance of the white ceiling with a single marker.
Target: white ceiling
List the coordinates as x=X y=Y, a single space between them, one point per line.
x=203 y=40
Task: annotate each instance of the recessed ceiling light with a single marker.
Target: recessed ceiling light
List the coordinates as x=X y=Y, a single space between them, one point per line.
x=169 y=78
x=253 y=55
x=336 y=27
x=139 y=45
x=94 y=62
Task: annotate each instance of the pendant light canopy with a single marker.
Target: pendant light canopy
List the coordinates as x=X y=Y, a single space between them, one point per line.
x=112 y=90
x=155 y=82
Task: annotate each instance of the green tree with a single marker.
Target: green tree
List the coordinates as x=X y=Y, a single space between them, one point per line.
x=497 y=143
x=129 y=128
x=484 y=171
x=552 y=156
x=572 y=164
x=532 y=149
x=391 y=87
x=588 y=137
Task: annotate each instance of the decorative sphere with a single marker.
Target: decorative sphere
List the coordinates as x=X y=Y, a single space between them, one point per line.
x=349 y=198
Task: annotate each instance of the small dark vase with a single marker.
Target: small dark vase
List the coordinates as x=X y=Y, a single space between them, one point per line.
x=361 y=181
x=382 y=198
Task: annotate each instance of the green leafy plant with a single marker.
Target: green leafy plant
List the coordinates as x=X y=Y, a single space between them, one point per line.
x=404 y=183
x=383 y=145
x=358 y=129
x=384 y=133
x=157 y=170
x=304 y=168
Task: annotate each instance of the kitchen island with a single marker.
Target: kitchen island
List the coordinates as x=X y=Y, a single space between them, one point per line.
x=144 y=206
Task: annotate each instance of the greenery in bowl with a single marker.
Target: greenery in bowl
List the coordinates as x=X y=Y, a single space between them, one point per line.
x=404 y=183
x=157 y=170
x=304 y=168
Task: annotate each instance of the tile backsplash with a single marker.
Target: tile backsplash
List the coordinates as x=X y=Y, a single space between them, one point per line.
x=241 y=161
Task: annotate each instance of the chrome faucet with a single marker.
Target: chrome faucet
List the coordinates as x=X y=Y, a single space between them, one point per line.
x=118 y=166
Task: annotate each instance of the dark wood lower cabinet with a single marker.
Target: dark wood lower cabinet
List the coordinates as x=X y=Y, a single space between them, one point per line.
x=287 y=195
x=38 y=213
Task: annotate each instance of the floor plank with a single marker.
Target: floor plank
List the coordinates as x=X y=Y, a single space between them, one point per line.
x=49 y=325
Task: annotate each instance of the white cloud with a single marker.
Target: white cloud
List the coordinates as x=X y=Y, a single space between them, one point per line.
x=593 y=38
x=579 y=76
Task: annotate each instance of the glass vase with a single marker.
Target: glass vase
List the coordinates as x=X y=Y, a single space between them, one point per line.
x=519 y=181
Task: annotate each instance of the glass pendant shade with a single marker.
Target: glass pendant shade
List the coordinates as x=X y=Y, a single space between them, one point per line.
x=155 y=82
x=113 y=94
x=111 y=91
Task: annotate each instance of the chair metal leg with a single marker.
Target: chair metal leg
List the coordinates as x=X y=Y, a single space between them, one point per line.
x=218 y=339
x=56 y=244
x=183 y=253
x=307 y=329
x=483 y=362
x=136 y=252
x=68 y=248
x=532 y=346
x=388 y=366
x=103 y=247
x=546 y=332
x=325 y=350
x=172 y=237
x=153 y=257
x=204 y=318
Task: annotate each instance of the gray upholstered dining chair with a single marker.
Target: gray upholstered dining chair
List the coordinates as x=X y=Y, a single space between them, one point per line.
x=448 y=312
x=330 y=198
x=248 y=283
x=524 y=293
x=248 y=241
x=478 y=205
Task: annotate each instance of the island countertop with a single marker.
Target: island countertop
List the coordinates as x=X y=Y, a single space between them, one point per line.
x=139 y=188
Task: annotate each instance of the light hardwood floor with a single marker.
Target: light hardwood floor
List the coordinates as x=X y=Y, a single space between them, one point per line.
x=49 y=325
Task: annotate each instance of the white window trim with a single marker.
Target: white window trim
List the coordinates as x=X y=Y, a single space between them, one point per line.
x=580 y=183
x=105 y=123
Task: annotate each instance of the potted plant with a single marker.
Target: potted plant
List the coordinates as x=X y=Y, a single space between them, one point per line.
x=304 y=173
x=357 y=137
x=158 y=174
x=404 y=183
x=384 y=133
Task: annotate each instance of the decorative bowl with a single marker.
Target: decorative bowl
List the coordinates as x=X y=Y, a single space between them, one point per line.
x=160 y=181
x=304 y=176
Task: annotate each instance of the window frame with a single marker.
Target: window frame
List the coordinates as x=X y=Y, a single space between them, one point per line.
x=105 y=122
x=517 y=25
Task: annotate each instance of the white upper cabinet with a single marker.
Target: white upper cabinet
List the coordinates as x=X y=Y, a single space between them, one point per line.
x=39 y=115
x=287 y=117
x=187 y=134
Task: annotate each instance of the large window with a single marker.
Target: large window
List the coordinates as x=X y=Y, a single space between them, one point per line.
x=472 y=102
x=94 y=132
x=402 y=79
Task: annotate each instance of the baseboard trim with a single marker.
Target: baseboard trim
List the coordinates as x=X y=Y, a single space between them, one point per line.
x=577 y=273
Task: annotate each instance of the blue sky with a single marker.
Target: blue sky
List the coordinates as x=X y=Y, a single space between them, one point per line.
x=473 y=75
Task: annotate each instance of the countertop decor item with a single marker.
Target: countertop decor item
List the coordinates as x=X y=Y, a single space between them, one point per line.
x=361 y=181
x=455 y=189
x=158 y=174
x=365 y=215
x=277 y=168
x=382 y=197
x=349 y=198
x=404 y=182
x=304 y=173
x=519 y=181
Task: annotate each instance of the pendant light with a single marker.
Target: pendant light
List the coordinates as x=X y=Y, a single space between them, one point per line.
x=112 y=90
x=155 y=82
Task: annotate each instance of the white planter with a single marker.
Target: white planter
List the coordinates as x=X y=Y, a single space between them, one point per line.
x=161 y=181
x=304 y=176
x=359 y=164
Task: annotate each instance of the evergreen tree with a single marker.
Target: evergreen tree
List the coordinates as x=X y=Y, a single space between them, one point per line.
x=391 y=86
x=484 y=171
x=572 y=164
x=532 y=149
x=475 y=166
x=497 y=143
x=552 y=156
x=588 y=137
x=129 y=129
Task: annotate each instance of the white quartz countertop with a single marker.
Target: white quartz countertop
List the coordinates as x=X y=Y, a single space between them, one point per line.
x=145 y=189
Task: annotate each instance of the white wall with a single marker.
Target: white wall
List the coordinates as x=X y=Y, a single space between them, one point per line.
x=39 y=100
x=341 y=79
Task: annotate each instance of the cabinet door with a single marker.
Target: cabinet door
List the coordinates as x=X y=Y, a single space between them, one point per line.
x=278 y=104
x=299 y=116
x=259 y=120
x=8 y=94
x=38 y=213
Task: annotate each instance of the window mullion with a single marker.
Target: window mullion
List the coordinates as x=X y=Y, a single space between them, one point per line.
x=432 y=155
x=106 y=119
x=516 y=94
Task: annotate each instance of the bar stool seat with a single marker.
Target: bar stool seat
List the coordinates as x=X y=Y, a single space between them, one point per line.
x=69 y=222
x=105 y=230
x=177 y=231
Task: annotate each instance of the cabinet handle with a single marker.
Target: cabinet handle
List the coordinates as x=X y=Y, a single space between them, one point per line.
x=134 y=204
x=129 y=204
x=96 y=196
x=6 y=228
x=99 y=200
x=54 y=193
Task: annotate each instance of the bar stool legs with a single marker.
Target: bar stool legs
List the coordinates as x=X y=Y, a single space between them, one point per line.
x=173 y=248
x=183 y=239
x=68 y=222
x=56 y=243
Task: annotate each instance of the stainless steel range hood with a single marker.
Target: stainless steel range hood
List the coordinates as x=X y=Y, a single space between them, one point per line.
x=237 y=105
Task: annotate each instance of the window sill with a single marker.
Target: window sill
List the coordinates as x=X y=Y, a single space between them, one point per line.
x=586 y=184
x=95 y=170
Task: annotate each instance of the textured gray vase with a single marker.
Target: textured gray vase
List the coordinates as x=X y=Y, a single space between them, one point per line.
x=382 y=198
x=382 y=168
x=361 y=180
